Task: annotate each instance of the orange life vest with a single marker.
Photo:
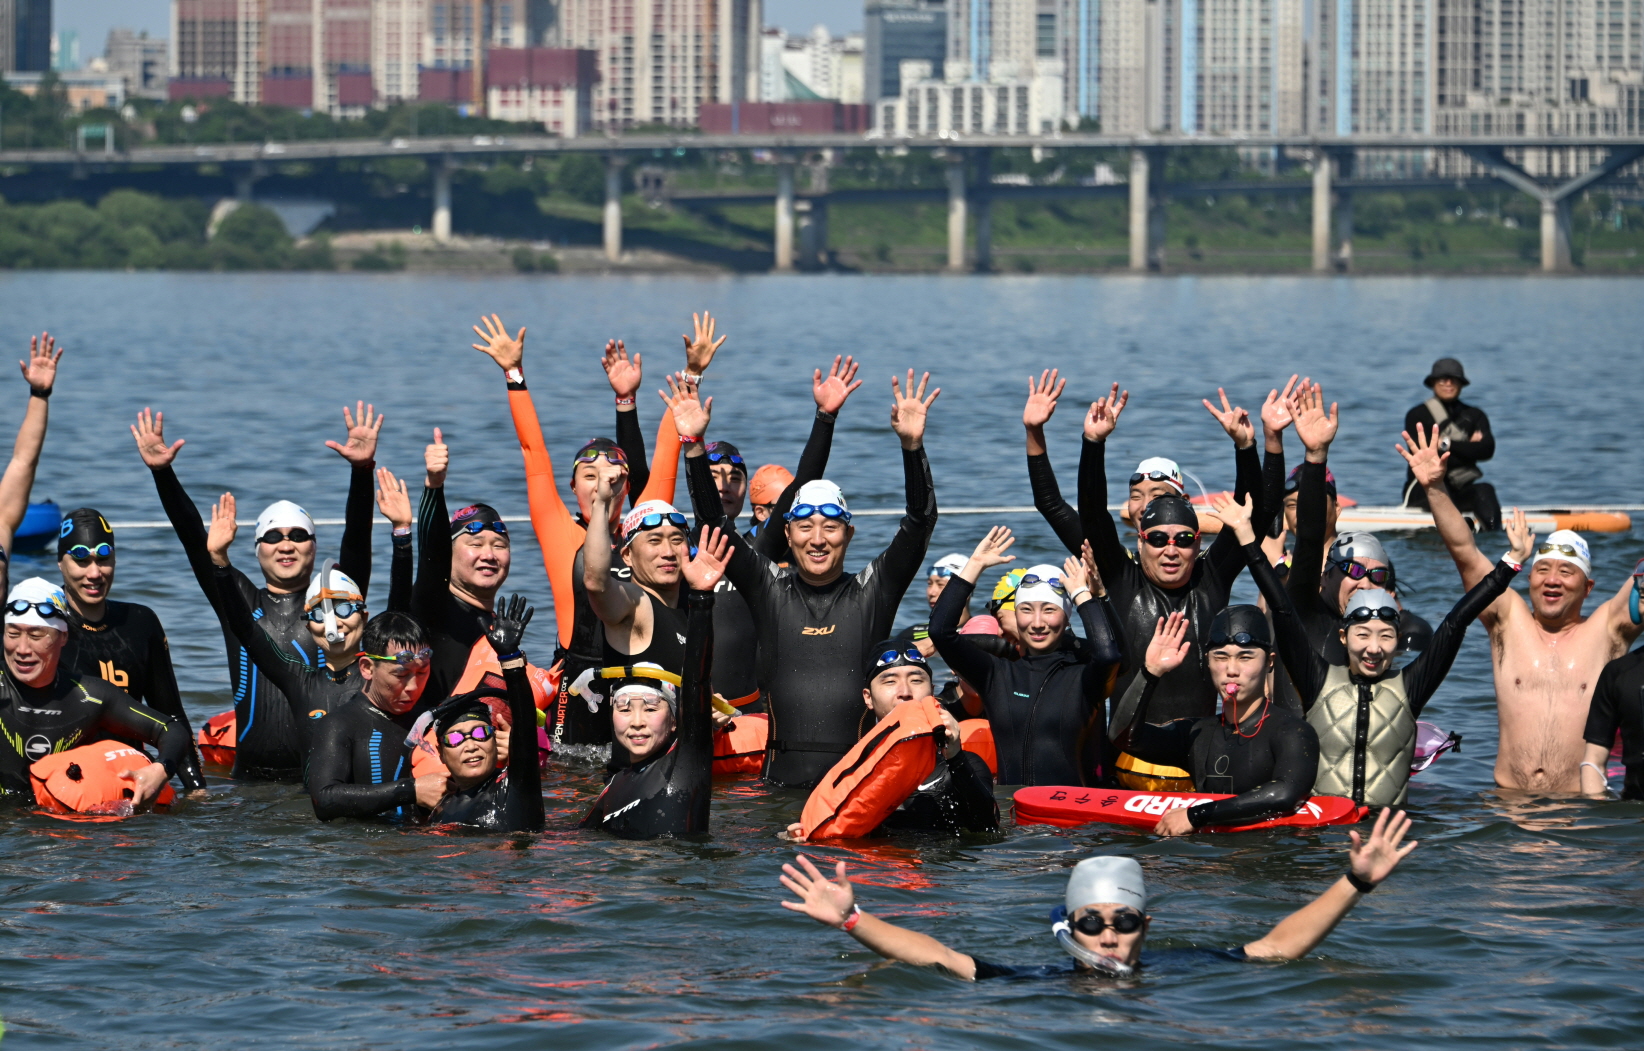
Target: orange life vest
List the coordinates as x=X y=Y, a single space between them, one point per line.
x=877 y=775
x=482 y=662
x=217 y=739
x=86 y=781
x=976 y=735
x=739 y=749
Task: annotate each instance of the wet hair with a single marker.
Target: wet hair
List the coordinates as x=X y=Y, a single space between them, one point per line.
x=393 y=629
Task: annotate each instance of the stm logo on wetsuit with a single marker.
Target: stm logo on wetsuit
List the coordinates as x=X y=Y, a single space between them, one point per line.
x=36 y=747
x=829 y=630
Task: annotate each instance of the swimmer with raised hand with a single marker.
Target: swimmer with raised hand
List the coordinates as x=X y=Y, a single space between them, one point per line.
x=1103 y=923
x=40 y=373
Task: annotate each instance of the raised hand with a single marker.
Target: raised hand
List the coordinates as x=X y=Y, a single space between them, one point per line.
x=1374 y=859
x=1276 y=410
x=705 y=568
x=1103 y=414
x=1234 y=420
x=507 y=351
x=828 y=902
x=841 y=382
x=436 y=459
x=1520 y=537
x=364 y=425
x=691 y=414
x=1092 y=574
x=909 y=410
x=701 y=348
x=1427 y=464
x=1168 y=647
x=393 y=500
x=508 y=626
x=991 y=550
x=1043 y=394
x=150 y=433
x=1315 y=427
x=624 y=374
x=224 y=527
x=1236 y=514
x=1073 y=576
x=40 y=371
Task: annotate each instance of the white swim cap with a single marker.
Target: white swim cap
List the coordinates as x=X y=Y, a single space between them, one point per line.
x=36 y=592
x=283 y=514
x=634 y=520
x=1042 y=589
x=821 y=492
x=947 y=565
x=1162 y=465
x=1107 y=880
x=333 y=584
x=1566 y=545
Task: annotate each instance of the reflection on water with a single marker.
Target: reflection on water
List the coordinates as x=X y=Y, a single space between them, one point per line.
x=241 y=922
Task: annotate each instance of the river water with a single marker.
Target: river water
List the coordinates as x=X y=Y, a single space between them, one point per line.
x=242 y=922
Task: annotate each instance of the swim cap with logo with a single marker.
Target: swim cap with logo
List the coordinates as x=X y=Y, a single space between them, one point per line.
x=1352 y=546
x=821 y=492
x=948 y=565
x=1168 y=510
x=476 y=513
x=37 y=592
x=1107 y=880
x=634 y=521
x=1041 y=590
x=1003 y=599
x=283 y=514
x=1566 y=545
x=85 y=527
x=721 y=452
x=1167 y=468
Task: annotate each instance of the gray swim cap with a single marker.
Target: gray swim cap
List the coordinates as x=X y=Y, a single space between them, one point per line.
x=1370 y=604
x=1353 y=546
x=1107 y=880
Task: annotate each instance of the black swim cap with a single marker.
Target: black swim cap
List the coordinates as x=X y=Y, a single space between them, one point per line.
x=723 y=452
x=894 y=653
x=83 y=526
x=465 y=706
x=483 y=513
x=1239 y=626
x=602 y=445
x=1168 y=510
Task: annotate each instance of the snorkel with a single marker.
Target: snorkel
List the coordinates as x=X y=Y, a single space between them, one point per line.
x=1107 y=880
x=1063 y=932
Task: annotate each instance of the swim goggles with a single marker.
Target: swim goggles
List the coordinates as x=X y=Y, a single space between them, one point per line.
x=1381 y=576
x=1159 y=538
x=611 y=454
x=944 y=572
x=895 y=657
x=475 y=528
x=650 y=704
x=719 y=457
x=825 y=510
x=45 y=609
x=1238 y=638
x=341 y=609
x=1155 y=476
x=1365 y=613
x=296 y=536
x=1125 y=921
x=404 y=658
x=656 y=518
x=454 y=738
x=82 y=553
x=1564 y=549
x=1053 y=583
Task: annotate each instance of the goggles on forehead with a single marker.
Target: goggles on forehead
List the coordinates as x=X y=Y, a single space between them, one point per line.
x=1053 y=583
x=82 y=553
x=655 y=519
x=477 y=527
x=720 y=457
x=1364 y=614
x=298 y=535
x=834 y=511
x=1566 y=550
x=894 y=657
x=650 y=703
x=1381 y=576
x=1155 y=476
x=404 y=658
x=1238 y=638
x=611 y=454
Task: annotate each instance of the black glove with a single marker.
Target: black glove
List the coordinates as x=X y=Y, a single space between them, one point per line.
x=508 y=627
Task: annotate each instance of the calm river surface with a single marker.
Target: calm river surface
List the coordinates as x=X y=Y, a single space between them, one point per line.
x=242 y=922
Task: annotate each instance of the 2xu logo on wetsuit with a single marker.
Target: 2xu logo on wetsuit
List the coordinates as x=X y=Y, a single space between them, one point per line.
x=1141 y=803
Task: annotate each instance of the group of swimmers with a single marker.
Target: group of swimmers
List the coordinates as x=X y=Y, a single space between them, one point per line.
x=694 y=649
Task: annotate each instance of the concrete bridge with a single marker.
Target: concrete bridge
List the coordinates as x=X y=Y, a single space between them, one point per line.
x=969 y=186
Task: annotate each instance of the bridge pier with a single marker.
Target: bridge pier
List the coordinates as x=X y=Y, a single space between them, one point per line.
x=1555 y=234
x=813 y=234
x=1555 y=200
x=1147 y=215
x=442 y=200
x=958 y=217
x=613 y=208
x=1322 y=207
x=784 y=214
x=984 y=211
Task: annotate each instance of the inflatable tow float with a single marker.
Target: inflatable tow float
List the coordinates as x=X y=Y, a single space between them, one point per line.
x=1069 y=807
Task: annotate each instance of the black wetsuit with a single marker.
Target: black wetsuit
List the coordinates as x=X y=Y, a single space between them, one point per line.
x=1618 y=704
x=360 y=765
x=813 y=641
x=666 y=648
x=267 y=745
x=1268 y=765
x=668 y=794
x=35 y=722
x=510 y=800
x=1462 y=472
x=956 y=797
x=453 y=625
x=128 y=650
x=1042 y=706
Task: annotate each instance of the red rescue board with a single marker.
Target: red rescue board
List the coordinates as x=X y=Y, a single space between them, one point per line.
x=1068 y=807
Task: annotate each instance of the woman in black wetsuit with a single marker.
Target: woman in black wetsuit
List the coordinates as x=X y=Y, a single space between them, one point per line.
x=498 y=799
x=664 y=728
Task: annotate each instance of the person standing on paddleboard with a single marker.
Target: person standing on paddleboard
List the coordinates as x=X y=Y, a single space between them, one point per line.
x=1464 y=432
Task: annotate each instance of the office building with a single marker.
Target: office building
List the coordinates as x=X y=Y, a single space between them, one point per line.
x=138 y=59
x=1372 y=65
x=397 y=30
x=65 y=50
x=811 y=67
x=897 y=31
x=956 y=104
x=552 y=87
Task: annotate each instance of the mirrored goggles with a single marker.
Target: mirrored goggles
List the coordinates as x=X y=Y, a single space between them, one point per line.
x=909 y=655
x=404 y=658
x=1125 y=921
x=1365 y=613
x=799 y=511
x=1054 y=583
x=941 y=571
x=611 y=455
x=276 y=536
x=1381 y=576
x=1160 y=538
x=82 y=553
x=343 y=610
x=718 y=457
x=655 y=519
x=19 y=607
x=1568 y=550
x=477 y=527
x=454 y=738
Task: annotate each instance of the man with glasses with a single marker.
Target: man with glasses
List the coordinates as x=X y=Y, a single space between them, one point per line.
x=360 y=765
x=815 y=623
x=1547 y=656
x=268 y=743
x=122 y=643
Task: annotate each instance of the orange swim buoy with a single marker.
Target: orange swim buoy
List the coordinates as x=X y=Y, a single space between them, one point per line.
x=739 y=749
x=876 y=776
x=85 y=782
x=217 y=739
x=976 y=735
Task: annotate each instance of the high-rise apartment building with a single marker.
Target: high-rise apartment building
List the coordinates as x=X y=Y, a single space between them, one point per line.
x=1372 y=67
x=897 y=31
x=397 y=29
x=30 y=35
x=217 y=49
x=815 y=66
x=660 y=60
x=141 y=60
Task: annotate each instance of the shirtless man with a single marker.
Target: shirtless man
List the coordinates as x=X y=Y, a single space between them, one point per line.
x=1546 y=656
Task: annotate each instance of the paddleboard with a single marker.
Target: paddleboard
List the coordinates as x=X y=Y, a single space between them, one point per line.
x=1543 y=520
x=1068 y=807
x=39 y=527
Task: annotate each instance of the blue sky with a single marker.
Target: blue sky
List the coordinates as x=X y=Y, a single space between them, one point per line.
x=94 y=18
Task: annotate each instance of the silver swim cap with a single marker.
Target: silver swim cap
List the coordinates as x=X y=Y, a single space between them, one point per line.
x=1355 y=545
x=1108 y=880
x=1367 y=604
